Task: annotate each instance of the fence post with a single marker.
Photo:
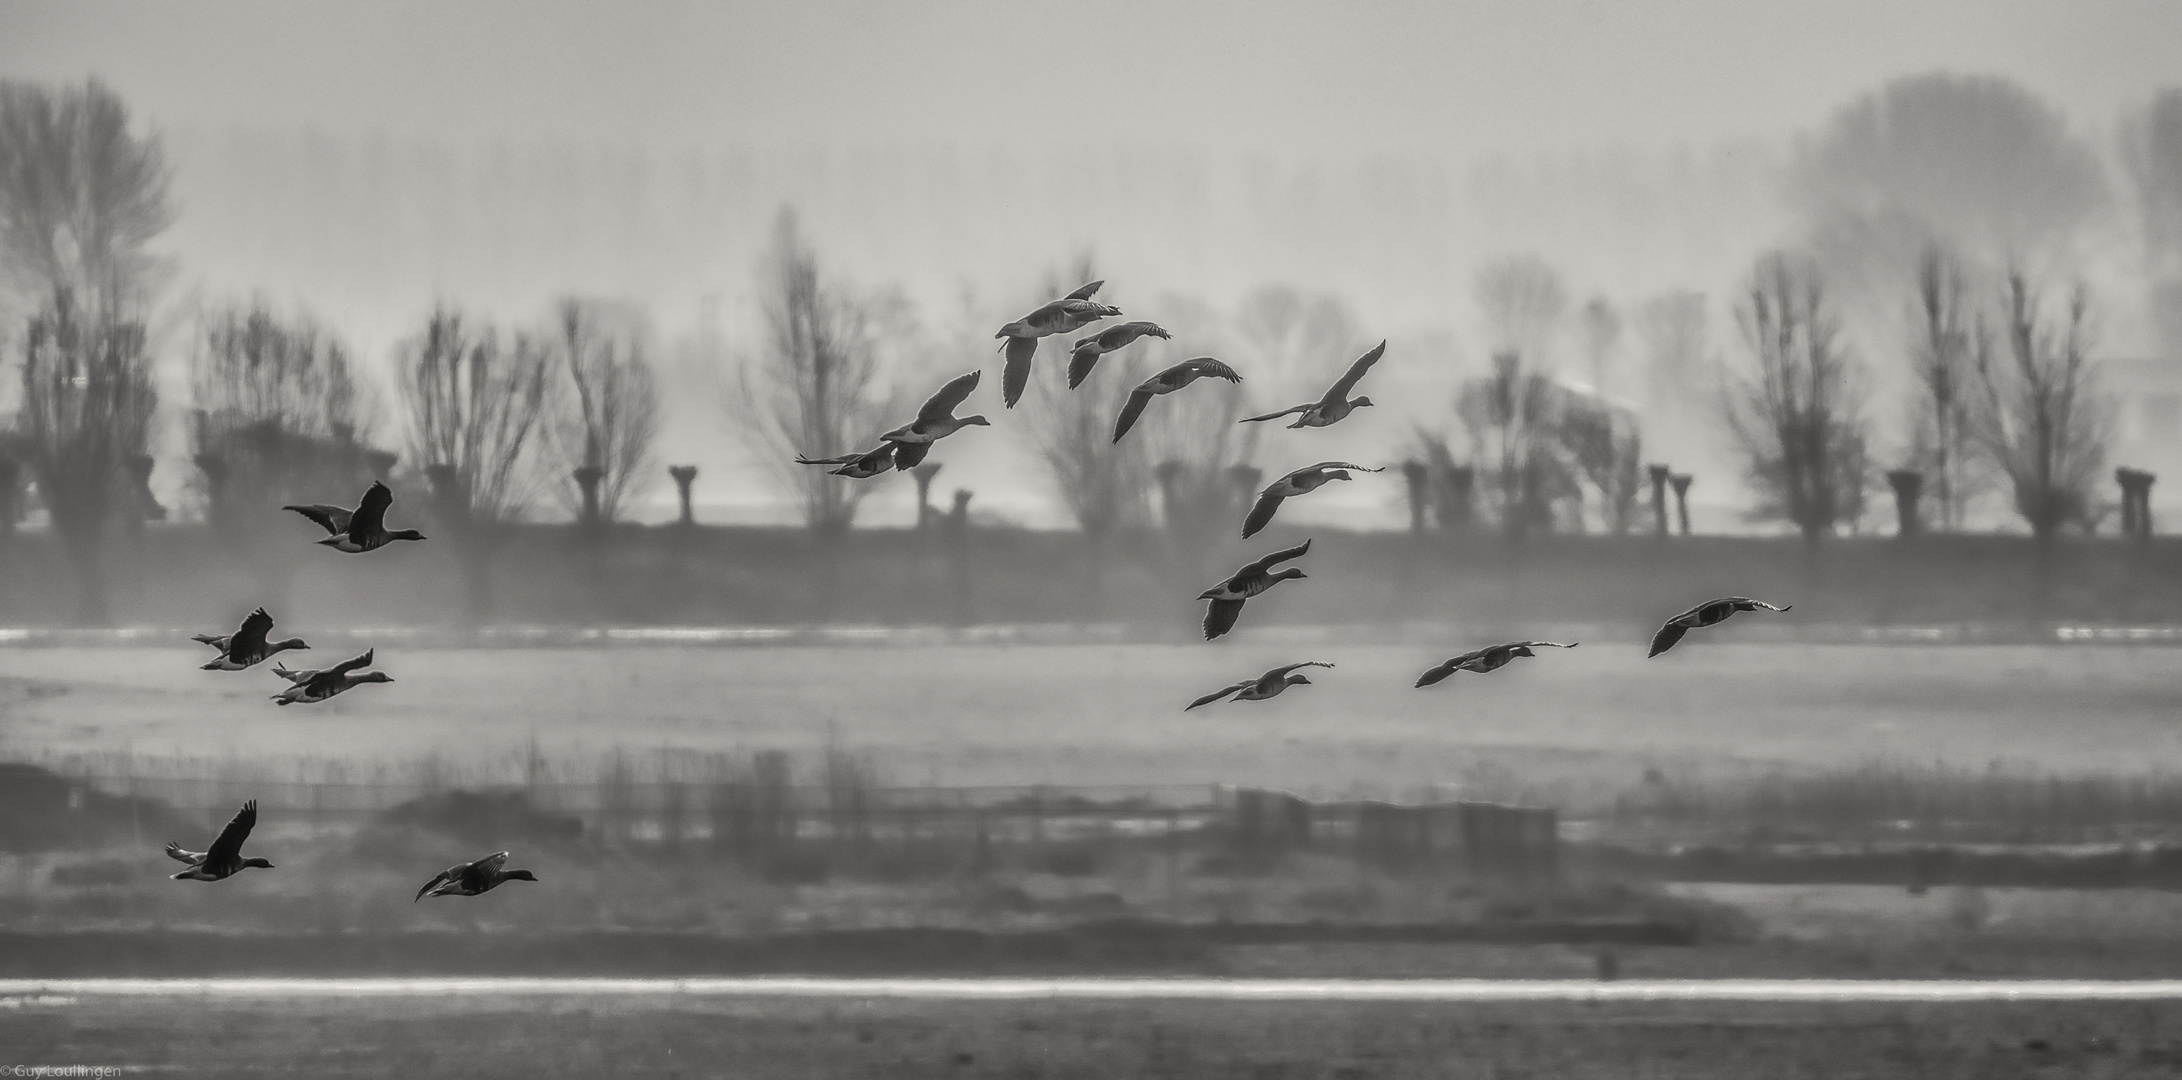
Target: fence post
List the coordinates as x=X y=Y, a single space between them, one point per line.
x=1908 y=487
x=1659 y=474
x=1681 y=482
x=684 y=476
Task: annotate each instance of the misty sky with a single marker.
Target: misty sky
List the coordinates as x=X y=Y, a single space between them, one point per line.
x=365 y=160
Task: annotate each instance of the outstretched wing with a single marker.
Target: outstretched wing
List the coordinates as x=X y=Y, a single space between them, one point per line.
x=908 y=455
x=445 y=876
x=1220 y=617
x=250 y=639
x=842 y=460
x=1130 y=410
x=1541 y=644
x=228 y=848
x=1340 y=390
x=1745 y=603
x=1086 y=292
x=215 y=641
x=1281 y=556
x=1324 y=466
x=1276 y=415
x=371 y=513
x=297 y=677
x=1207 y=366
x=1016 y=375
x=1280 y=673
x=353 y=663
x=1261 y=514
x=1665 y=639
x=1443 y=670
x=940 y=406
x=1216 y=695
x=184 y=855
x=333 y=519
x=1081 y=362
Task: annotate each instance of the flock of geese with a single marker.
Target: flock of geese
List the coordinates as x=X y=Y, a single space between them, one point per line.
x=364 y=529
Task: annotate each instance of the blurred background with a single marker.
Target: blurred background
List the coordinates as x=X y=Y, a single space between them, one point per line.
x=1872 y=309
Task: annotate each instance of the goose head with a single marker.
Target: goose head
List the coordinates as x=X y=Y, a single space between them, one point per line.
x=973 y=421
x=518 y=875
x=257 y=864
x=1360 y=403
x=1290 y=573
x=371 y=676
x=1522 y=650
x=405 y=534
x=283 y=646
x=1298 y=679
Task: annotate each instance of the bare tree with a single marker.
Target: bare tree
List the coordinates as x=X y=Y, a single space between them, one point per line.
x=603 y=428
x=1601 y=337
x=277 y=414
x=814 y=388
x=85 y=414
x=1191 y=438
x=1940 y=358
x=1105 y=485
x=1524 y=303
x=1289 y=334
x=1511 y=415
x=2152 y=153
x=1604 y=444
x=1798 y=416
x=473 y=405
x=2039 y=415
x=80 y=198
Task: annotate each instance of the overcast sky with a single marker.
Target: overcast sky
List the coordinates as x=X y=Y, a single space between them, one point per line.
x=1496 y=77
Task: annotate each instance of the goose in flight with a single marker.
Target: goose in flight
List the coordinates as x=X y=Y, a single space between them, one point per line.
x=1167 y=382
x=1072 y=312
x=935 y=421
x=1298 y=482
x=319 y=684
x=1490 y=658
x=359 y=530
x=857 y=466
x=1112 y=339
x=1705 y=614
x=472 y=878
x=247 y=645
x=1227 y=597
x=1336 y=404
x=1264 y=686
x=224 y=858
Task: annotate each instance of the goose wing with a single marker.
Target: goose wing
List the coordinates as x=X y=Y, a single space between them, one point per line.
x=1541 y=644
x=1262 y=514
x=1446 y=668
x=1340 y=390
x=216 y=641
x=1281 y=556
x=1130 y=410
x=1218 y=694
x=1016 y=375
x=371 y=513
x=941 y=405
x=842 y=460
x=446 y=876
x=1744 y=603
x=1082 y=361
x=1086 y=292
x=184 y=855
x=250 y=639
x=1205 y=366
x=1328 y=466
x=333 y=519
x=227 y=850
x=353 y=663
x=1666 y=637
x=1279 y=673
x=1277 y=415
x=1220 y=617
x=908 y=455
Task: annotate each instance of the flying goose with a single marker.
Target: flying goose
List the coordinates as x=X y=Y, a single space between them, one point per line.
x=1705 y=614
x=1072 y=312
x=1336 y=404
x=1490 y=658
x=935 y=421
x=359 y=530
x=1112 y=339
x=319 y=684
x=224 y=858
x=856 y=466
x=1227 y=597
x=1298 y=482
x=1167 y=382
x=1264 y=686
x=472 y=878
x=247 y=645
